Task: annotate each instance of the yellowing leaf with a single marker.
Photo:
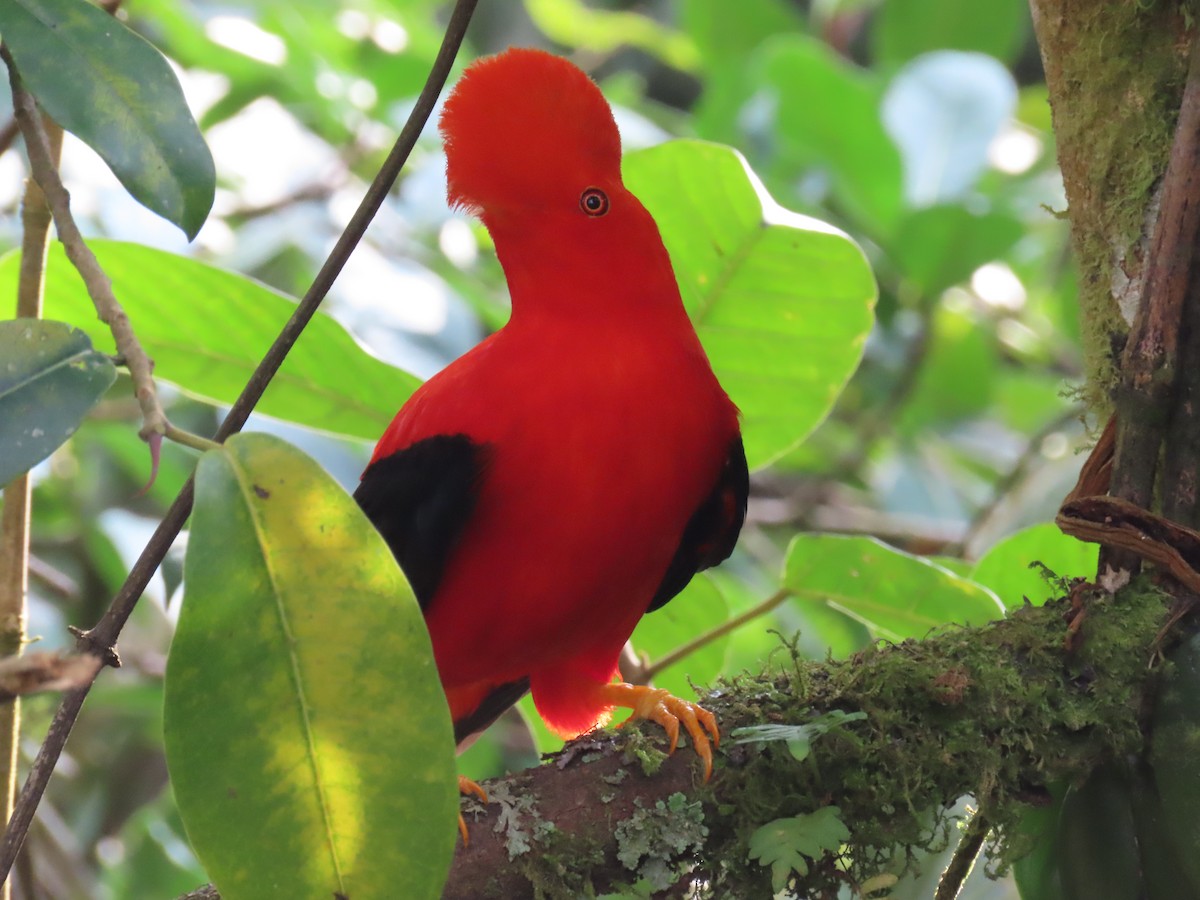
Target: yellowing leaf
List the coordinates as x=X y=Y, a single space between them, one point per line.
x=308 y=740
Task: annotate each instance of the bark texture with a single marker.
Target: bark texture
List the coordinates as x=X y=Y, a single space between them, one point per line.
x=1115 y=72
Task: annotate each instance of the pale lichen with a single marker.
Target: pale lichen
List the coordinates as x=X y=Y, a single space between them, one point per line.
x=653 y=842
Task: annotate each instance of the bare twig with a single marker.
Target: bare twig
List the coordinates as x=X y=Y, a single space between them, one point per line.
x=102 y=638
x=965 y=854
x=1095 y=476
x=99 y=287
x=54 y=580
x=35 y=672
x=679 y=653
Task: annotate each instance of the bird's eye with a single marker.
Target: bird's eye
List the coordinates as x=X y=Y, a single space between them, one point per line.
x=594 y=202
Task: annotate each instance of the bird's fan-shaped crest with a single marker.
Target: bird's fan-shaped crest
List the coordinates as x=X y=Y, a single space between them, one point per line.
x=526 y=129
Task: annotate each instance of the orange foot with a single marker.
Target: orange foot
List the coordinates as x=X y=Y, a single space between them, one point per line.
x=467 y=786
x=668 y=711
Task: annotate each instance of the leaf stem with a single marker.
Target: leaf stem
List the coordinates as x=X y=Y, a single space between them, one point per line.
x=188 y=439
x=720 y=631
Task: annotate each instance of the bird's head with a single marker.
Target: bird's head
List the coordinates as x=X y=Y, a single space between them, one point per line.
x=528 y=131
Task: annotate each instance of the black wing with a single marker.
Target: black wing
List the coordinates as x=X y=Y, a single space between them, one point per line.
x=713 y=529
x=419 y=499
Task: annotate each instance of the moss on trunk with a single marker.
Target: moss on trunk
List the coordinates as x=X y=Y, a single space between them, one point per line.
x=1115 y=71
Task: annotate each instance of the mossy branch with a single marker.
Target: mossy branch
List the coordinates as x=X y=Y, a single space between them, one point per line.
x=996 y=712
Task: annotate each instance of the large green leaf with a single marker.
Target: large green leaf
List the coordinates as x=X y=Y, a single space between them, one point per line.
x=1011 y=569
x=782 y=302
x=722 y=37
x=1097 y=841
x=206 y=330
x=114 y=91
x=895 y=594
x=308 y=739
x=1176 y=724
x=1037 y=874
x=49 y=379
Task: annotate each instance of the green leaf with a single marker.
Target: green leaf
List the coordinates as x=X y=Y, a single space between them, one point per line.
x=49 y=378
x=1164 y=875
x=940 y=246
x=1011 y=570
x=903 y=29
x=207 y=329
x=1037 y=873
x=116 y=93
x=1097 y=842
x=827 y=119
x=895 y=594
x=786 y=845
x=1173 y=753
x=783 y=303
x=308 y=740
x=799 y=738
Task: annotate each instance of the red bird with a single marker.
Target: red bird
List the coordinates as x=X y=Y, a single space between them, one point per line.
x=575 y=470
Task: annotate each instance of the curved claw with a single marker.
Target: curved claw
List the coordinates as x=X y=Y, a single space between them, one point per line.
x=669 y=711
x=467 y=786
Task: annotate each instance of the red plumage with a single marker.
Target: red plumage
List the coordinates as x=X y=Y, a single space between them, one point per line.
x=596 y=425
